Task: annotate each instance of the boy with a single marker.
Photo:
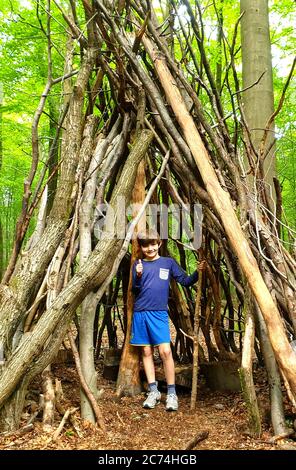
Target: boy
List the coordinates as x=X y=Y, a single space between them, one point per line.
x=150 y=327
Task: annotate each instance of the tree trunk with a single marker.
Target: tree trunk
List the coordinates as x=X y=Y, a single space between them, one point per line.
x=1 y=159
x=49 y=400
x=11 y=411
x=258 y=100
x=195 y=343
x=1 y=250
x=15 y=297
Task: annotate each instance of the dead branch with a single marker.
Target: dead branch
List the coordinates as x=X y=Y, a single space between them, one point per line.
x=198 y=438
x=18 y=432
x=62 y=423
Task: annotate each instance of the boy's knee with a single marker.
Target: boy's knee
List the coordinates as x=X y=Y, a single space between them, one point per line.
x=147 y=351
x=165 y=353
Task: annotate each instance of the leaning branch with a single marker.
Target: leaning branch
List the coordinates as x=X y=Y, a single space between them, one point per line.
x=84 y=385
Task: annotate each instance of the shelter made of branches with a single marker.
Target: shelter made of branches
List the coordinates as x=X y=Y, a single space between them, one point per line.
x=144 y=92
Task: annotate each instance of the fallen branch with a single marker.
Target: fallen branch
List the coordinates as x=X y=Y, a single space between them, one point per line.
x=120 y=418
x=72 y=418
x=62 y=423
x=33 y=417
x=198 y=438
x=18 y=432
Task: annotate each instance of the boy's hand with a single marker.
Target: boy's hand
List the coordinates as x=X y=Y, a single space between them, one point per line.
x=139 y=268
x=202 y=265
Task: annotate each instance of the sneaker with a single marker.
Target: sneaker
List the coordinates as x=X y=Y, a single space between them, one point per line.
x=152 y=399
x=172 y=402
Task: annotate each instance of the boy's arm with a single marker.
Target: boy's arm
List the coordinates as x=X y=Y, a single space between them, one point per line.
x=137 y=281
x=180 y=275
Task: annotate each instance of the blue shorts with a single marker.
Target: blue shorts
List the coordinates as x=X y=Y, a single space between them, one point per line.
x=150 y=328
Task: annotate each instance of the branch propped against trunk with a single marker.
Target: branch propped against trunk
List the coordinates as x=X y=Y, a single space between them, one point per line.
x=283 y=351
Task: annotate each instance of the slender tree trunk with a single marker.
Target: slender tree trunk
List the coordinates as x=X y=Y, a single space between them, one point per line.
x=1 y=160
x=49 y=400
x=219 y=12
x=54 y=153
x=1 y=250
x=195 y=343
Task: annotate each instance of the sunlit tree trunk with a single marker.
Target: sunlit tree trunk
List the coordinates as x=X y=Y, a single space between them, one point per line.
x=258 y=99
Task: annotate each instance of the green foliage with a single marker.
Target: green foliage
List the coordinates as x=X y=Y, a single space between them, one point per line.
x=20 y=77
x=23 y=74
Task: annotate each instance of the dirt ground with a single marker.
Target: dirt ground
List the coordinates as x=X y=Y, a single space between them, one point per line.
x=131 y=427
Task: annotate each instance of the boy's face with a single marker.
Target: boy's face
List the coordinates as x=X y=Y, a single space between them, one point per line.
x=150 y=251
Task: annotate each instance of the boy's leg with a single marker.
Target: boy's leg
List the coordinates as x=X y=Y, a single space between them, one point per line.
x=148 y=362
x=169 y=370
x=168 y=362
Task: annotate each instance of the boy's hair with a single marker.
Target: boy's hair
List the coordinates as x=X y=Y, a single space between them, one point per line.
x=150 y=236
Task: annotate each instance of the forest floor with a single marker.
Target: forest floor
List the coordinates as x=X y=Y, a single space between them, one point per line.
x=131 y=427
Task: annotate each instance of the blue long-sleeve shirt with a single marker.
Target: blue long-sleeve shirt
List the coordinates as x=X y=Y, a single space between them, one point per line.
x=152 y=288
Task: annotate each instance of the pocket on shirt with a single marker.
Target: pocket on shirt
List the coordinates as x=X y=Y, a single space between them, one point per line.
x=164 y=274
